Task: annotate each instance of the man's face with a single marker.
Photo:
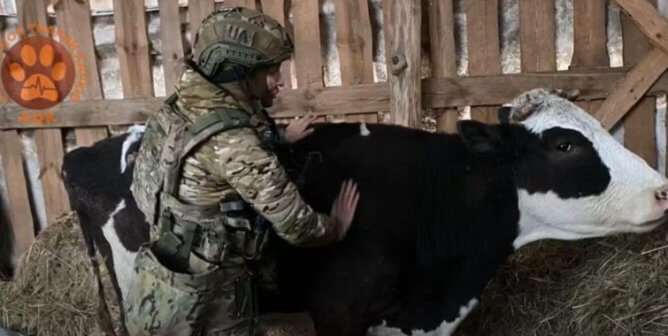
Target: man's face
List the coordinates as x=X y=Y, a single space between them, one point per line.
x=266 y=83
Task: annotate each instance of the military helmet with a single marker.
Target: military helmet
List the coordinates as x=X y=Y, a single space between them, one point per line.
x=238 y=36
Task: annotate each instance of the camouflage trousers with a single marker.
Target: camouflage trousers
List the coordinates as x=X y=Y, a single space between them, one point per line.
x=208 y=300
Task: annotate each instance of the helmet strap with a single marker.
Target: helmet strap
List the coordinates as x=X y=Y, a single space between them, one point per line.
x=235 y=74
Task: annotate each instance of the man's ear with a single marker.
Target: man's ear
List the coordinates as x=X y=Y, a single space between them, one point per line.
x=479 y=137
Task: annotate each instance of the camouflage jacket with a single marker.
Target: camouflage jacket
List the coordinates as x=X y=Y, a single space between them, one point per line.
x=237 y=161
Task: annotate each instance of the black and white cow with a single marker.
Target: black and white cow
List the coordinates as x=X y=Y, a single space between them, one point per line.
x=438 y=213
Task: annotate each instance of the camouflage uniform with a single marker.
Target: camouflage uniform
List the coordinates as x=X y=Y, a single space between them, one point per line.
x=208 y=181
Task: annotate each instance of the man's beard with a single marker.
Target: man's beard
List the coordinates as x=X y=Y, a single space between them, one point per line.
x=267 y=102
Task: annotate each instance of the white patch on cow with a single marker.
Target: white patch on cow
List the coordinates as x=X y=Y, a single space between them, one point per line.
x=135 y=133
x=364 y=131
x=628 y=204
x=445 y=329
x=122 y=258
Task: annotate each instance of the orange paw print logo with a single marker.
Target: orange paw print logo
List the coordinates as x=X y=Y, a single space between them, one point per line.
x=38 y=73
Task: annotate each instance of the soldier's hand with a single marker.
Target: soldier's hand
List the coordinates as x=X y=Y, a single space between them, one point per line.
x=299 y=129
x=345 y=204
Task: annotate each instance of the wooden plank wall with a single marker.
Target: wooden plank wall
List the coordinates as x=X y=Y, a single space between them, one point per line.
x=538 y=35
x=639 y=130
x=308 y=52
x=70 y=16
x=172 y=45
x=443 y=54
x=482 y=26
x=49 y=142
x=355 y=47
x=19 y=215
x=198 y=10
x=133 y=48
x=590 y=40
x=404 y=61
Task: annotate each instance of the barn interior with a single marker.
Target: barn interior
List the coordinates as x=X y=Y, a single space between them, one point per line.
x=466 y=59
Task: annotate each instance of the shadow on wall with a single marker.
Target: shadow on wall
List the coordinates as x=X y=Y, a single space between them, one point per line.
x=6 y=247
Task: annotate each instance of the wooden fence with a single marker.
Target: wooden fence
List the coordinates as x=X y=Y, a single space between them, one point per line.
x=358 y=98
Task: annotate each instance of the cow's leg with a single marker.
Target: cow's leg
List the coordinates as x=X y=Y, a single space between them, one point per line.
x=351 y=292
x=440 y=299
x=104 y=316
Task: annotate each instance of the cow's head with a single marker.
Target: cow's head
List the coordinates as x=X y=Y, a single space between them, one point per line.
x=573 y=179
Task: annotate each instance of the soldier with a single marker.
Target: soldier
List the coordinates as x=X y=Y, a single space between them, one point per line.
x=209 y=182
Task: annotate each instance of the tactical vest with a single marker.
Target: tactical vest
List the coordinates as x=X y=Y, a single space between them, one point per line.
x=170 y=137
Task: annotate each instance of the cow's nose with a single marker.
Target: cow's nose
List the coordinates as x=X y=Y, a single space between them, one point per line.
x=661 y=193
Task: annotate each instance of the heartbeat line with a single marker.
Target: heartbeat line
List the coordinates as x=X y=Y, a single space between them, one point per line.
x=38 y=85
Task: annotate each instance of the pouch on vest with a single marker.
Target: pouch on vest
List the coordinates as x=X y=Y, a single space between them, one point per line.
x=202 y=301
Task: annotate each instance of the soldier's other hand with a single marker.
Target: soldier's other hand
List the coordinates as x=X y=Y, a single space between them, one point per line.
x=345 y=204
x=299 y=129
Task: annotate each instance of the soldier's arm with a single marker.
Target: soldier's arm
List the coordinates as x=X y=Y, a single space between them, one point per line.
x=261 y=181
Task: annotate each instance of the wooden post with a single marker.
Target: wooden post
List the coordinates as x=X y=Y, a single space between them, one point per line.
x=355 y=47
x=172 y=43
x=405 y=19
x=643 y=75
x=482 y=29
x=19 y=213
x=443 y=54
x=73 y=16
x=639 y=130
x=590 y=50
x=308 y=56
x=132 y=47
x=538 y=35
x=276 y=9
x=353 y=40
x=198 y=10
x=49 y=142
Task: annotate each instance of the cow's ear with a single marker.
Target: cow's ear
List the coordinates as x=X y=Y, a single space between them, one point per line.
x=504 y=114
x=479 y=137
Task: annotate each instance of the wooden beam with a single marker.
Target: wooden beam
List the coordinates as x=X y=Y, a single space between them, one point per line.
x=538 y=35
x=650 y=68
x=639 y=124
x=648 y=20
x=276 y=9
x=590 y=49
x=308 y=56
x=19 y=212
x=355 y=46
x=133 y=49
x=73 y=16
x=50 y=161
x=31 y=12
x=627 y=92
x=482 y=26
x=172 y=43
x=405 y=19
x=50 y=153
x=354 y=41
x=366 y=98
x=443 y=54
x=198 y=10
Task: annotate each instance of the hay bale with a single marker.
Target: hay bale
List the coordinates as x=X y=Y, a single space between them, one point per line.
x=612 y=286
x=54 y=291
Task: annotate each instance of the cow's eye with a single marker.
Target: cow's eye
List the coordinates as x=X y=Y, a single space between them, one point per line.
x=564 y=147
